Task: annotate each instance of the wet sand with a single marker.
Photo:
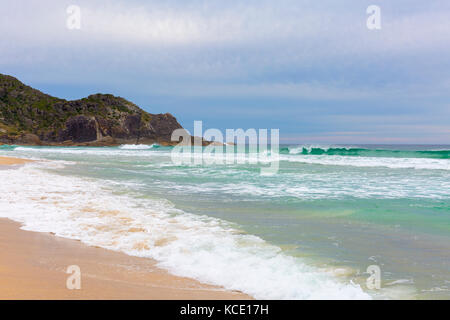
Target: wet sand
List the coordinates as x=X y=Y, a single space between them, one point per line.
x=12 y=161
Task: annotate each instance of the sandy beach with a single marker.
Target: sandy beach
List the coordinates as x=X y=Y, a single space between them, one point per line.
x=33 y=266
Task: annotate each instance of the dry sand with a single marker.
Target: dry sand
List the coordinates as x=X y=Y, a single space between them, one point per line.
x=33 y=266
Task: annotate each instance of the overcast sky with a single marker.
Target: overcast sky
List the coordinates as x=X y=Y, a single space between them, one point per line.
x=310 y=68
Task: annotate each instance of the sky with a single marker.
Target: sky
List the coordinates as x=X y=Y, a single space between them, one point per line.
x=311 y=69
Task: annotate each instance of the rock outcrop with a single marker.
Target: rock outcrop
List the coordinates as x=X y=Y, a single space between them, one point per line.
x=28 y=116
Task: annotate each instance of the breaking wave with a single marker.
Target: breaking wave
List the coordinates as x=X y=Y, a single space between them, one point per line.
x=364 y=152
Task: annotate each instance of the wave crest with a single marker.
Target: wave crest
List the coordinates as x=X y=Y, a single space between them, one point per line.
x=139 y=146
x=364 y=152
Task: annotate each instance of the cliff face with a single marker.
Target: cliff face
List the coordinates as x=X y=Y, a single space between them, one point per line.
x=28 y=116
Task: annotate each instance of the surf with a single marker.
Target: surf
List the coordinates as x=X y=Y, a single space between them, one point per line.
x=195 y=246
x=364 y=152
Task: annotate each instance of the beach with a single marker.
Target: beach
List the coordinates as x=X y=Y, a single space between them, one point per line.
x=33 y=265
x=309 y=232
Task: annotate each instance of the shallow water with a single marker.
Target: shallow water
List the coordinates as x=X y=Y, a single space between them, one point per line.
x=309 y=231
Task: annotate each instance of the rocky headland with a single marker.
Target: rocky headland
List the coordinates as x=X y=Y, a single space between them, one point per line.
x=31 y=117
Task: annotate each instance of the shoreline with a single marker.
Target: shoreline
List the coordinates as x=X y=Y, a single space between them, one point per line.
x=33 y=266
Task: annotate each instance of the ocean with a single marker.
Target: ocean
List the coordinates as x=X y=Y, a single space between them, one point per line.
x=310 y=231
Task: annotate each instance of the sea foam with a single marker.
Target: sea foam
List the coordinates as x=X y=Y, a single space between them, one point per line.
x=208 y=249
x=137 y=146
x=392 y=163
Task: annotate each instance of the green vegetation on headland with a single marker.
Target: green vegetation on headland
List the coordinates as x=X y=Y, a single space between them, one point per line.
x=28 y=116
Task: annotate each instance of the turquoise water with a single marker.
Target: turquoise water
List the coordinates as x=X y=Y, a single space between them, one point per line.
x=334 y=209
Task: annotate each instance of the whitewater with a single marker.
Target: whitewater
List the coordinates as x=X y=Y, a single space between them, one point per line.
x=287 y=236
